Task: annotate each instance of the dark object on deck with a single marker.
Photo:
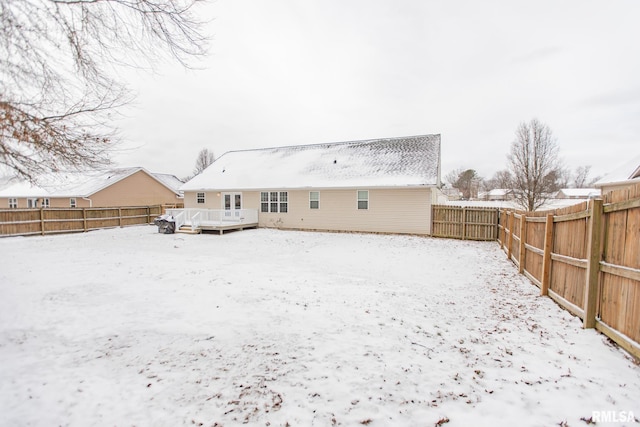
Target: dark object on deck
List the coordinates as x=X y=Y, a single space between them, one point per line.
x=166 y=224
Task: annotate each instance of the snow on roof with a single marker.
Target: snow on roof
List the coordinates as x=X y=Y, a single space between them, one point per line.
x=387 y=162
x=81 y=184
x=22 y=189
x=169 y=181
x=498 y=192
x=580 y=192
x=624 y=172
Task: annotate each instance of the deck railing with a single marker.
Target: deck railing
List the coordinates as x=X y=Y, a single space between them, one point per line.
x=201 y=217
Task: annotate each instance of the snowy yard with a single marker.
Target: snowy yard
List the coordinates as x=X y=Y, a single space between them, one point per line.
x=273 y=328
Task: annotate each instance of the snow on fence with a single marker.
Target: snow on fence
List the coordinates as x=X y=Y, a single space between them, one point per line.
x=586 y=257
x=467 y=223
x=24 y=222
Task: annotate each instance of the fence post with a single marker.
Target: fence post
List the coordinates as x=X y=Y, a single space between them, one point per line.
x=120 y=217
x=512 y=219
x=500 y=238
x=42 y=221
x=84 y=218
x=522 y=248
x=464 y=223
x=546 y=258
x=593 y=264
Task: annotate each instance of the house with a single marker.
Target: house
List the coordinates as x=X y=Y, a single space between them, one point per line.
x=577 y=193
x=497 y=194
x=381 y=185
x=623 y=176
x=117 y=187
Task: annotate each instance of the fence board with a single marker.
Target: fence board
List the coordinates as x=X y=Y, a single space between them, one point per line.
x=619 y=305
x=25 y=222
x=603 y=264
x=468 y=223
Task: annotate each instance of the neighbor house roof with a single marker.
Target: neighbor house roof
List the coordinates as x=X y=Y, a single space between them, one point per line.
x=628 y=171
x=584 y=193
x=386 y=162
x=82 y=184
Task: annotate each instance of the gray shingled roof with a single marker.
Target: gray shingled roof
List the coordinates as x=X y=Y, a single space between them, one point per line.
x=385 y=162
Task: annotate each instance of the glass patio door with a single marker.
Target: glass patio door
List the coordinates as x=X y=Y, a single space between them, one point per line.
x=232 y=205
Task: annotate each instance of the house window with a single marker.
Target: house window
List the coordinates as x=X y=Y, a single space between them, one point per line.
x=73 y=203
x=200 y=198
x=284 y=201
x=45 y=202
x=32 y=203
x=274 y=201
x=13 y=203
x=363 y=199
x=314 y=200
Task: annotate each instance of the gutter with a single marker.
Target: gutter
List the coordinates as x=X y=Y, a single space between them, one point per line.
x=89 y=200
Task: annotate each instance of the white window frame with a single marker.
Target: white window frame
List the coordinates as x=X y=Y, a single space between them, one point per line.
x=32 y=203
x=315 y=199
x=283 y=201
x=359 y=199
x=274 y=201
x=201 y=198
x=46 y=202
x=13 y=203
x=73 y=203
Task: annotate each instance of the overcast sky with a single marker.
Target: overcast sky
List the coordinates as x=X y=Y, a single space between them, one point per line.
x=290 y=72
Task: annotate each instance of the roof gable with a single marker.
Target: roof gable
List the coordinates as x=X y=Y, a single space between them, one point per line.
x=82 y=184
x=388 y=162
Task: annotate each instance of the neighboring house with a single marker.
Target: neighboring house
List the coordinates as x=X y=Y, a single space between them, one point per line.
x=623 y=176
x=577 y=193
x=383 y=185
x=117 y=187
x=497 y=194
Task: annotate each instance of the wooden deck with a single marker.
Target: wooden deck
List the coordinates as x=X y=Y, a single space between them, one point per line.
x=195 y=221
x=219 y=227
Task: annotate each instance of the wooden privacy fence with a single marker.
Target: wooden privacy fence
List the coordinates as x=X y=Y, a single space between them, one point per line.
x=585 y=257
x=24 y=222
x=467 y=223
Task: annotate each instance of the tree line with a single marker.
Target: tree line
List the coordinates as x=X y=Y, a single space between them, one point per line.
x=533 y=172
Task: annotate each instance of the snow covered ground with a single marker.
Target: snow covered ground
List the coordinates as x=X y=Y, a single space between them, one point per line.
x=264 y=327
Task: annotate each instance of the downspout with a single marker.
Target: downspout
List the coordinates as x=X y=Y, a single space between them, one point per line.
x=89 y=200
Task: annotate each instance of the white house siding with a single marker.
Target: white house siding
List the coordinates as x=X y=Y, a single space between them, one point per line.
x=403 y=210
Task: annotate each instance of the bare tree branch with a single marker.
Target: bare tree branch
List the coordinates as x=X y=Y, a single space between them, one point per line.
x=204 y=159
x=57 y=64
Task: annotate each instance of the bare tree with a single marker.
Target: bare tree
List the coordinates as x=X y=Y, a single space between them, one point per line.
x=58 y=59
x=500 y=180
x=534 y=165
x=205 y=158
x=581 y=177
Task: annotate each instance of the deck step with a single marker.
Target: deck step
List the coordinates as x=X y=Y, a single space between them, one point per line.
x=186 y=229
